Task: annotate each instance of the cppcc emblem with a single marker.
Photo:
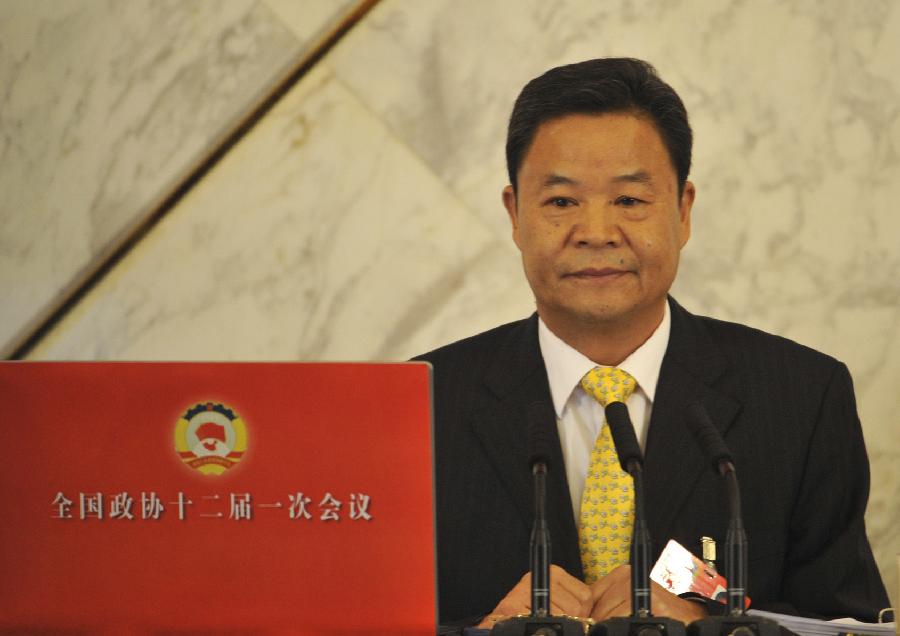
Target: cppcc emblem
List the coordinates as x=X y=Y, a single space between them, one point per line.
x=211 y=438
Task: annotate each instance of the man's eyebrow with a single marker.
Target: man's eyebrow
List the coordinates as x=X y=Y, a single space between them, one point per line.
x=640 y=176
x=558 y=179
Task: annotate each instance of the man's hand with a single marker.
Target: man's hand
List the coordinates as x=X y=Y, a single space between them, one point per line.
x=568 y=596
x=612 y=597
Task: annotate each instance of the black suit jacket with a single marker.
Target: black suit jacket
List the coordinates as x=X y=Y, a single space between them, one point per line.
x=787 y=413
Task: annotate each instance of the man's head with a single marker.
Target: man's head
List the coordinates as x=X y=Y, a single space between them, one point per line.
x=594 y=87
x=600 y=205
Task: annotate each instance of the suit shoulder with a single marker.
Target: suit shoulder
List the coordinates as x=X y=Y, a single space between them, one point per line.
x=460 y=369
x=743 y=342
x=475 y=349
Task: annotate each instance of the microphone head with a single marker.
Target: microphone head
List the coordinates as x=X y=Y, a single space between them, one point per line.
x=540 y=434
x=622 y=431
x=707 y=436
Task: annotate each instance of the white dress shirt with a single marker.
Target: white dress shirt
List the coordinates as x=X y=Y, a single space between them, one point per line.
x=579 y=417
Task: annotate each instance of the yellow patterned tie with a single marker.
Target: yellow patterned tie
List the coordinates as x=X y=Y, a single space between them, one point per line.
x=607 y=505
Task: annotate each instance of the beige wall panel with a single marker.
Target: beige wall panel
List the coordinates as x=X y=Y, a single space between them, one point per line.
x=298 y=246
x=104 y=107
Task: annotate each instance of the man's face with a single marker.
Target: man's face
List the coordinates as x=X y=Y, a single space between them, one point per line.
x=599 y=221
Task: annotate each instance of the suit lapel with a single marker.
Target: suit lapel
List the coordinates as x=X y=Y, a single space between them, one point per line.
x=516 y=378
x=693 y=369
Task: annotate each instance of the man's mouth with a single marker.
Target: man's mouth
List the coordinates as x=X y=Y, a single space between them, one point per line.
x=597 y=273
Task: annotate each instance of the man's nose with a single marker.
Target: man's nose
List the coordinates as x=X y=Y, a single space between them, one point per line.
x=597 y=226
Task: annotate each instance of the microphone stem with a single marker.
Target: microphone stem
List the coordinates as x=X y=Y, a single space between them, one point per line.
x=735 y=544
x=540 y=546
x=640 y=549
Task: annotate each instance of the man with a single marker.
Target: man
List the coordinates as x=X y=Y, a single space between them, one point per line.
x=598 y=156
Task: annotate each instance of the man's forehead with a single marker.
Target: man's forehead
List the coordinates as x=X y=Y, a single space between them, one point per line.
x=640 y=176
x=595 y=149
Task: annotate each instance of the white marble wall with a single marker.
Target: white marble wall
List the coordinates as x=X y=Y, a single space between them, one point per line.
x=104 y=106
x=361 y=219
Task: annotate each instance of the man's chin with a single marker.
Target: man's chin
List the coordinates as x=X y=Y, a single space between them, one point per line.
x=608 y=315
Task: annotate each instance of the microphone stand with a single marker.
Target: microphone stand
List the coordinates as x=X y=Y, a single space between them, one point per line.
x=736 y=622
x=642 y=622
x=540 y=545
x=539 y=622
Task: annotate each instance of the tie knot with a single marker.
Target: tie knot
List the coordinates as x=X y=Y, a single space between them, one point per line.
x=608 y=384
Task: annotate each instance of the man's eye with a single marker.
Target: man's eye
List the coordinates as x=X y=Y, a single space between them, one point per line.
x=561 y=202
x=628 y=201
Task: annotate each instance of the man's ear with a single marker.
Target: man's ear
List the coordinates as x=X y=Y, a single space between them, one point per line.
x=684 y=211
x=509 y=202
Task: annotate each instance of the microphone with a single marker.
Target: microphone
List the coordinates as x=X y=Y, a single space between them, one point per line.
x=642 y=622
x=632 y=461
x=736 y=623
x=540 y=622
x=540 y=442
x=709 y=439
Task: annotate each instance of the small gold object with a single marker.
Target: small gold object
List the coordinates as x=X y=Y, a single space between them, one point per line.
x=708 y=545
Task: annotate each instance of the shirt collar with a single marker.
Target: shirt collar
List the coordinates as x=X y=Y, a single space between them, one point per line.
x=566 y=366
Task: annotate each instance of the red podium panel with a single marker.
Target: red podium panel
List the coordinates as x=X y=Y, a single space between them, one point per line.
x=217 y=497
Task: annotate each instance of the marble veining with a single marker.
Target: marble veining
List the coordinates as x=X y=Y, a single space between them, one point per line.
x=310 y=19
x=318 y=237
x=104 y=106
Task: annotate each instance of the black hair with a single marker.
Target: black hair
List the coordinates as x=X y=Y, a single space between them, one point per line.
x=594 y=87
